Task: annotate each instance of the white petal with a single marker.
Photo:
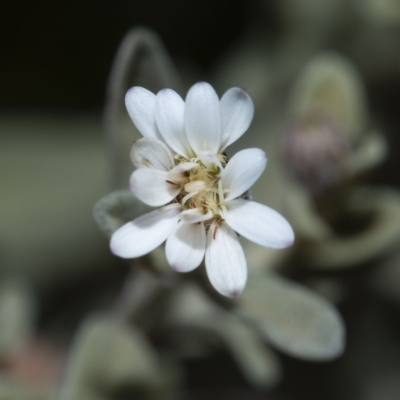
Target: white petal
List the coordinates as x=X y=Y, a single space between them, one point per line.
x=195 y=215
x=237 y=110
x=177 y=174
x=225 y=261
x=145 y=233
x=151 y=187
x=203 y=118
x=185 y=246
x=141 y=104
x=259 y=223
x=242 y=171
x=151 y=153
x=210 y=160
x=170 y=118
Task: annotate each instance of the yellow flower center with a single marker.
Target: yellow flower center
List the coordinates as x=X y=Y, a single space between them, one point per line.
x=203 y=189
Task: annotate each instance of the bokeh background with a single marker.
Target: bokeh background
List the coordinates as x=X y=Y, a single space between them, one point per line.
x=55 y=268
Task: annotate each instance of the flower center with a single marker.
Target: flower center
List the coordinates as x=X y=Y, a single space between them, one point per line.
x=202 y=190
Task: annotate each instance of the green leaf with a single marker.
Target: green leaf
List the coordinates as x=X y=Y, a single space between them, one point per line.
x=116 y=209
x=369 y=153
x=292 y=318
x=107 y=356
x=193 y=311
x=331 y=87
x=381 y=208
x=258 y=363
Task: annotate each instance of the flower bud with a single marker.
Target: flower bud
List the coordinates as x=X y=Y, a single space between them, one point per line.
x=314 y=153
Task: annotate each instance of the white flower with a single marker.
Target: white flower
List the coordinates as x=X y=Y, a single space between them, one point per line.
x=181 y=167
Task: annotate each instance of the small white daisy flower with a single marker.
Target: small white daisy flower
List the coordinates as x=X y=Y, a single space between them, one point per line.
x=182 y=169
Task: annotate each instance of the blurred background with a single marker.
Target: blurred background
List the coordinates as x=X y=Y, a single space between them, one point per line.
x=325 y=80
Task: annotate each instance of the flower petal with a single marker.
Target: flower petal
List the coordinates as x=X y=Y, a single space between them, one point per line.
x=185 y=246
x=195 y=215
x=178 y=173
x=203 y=118
x=237 y=111
x=141 y=104
x=145 y=233
x=242 y=171
x=170 y=119
x=151 y=187
x=225 y=260
x=259 y=223
x=149 y=152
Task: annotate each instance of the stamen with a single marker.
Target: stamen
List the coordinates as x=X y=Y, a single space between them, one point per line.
x=202 y=189
x=220 y=191
x=172 y=183
x=188 y=196
x=215 y=231
x=218 y=224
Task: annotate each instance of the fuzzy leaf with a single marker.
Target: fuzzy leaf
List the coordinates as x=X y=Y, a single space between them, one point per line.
x=369 y=153
x=258 y=363
x=108 y=355
x=331 y=88
x=380 y=209
x=292 y=318
x=194 y=311
x=115 y=209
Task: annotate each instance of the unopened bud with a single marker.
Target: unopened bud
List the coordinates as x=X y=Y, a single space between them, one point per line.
x=314 y=153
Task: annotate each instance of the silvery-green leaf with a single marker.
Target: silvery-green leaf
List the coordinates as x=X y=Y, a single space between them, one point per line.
x=258 y=363
x=17 y=314
x=141 y=60
x=380 y=209
x=115 y=209
x=292 y=318
x=369 y=152
x=301 y=213
x=191 y=309
x=108 y=355
x=331 y=87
